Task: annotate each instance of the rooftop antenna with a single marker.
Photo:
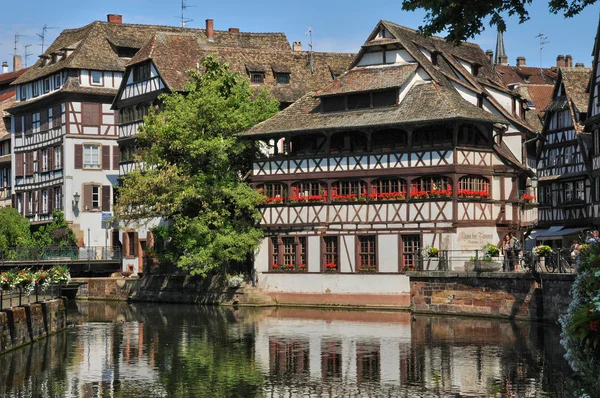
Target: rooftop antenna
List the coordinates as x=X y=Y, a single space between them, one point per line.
x=17 y=36
x=43 y=34
x=184 y=7
x=542 y=42
x=27 y=54
x=309 y=32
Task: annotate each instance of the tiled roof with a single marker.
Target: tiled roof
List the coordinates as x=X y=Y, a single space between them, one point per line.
x=11 y=76
x=369 y=79
x=526 y=75
x=175 y=53
x=575 y=82
x=426 y=102
x=540 y=95
x=95 y=45
x=6 y=100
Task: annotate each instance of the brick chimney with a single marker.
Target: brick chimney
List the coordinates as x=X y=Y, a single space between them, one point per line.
x=4 y=67
x=210 y=29
x=560 y=61
x=114 y=18
x=490 y=55
x=568 y=61
x=297 y=46
x=234 y=30
x=521 y=61
x=579 y=65
x=17 y=63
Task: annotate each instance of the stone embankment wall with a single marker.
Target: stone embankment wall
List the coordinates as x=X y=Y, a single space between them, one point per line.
x=28 y=323
x=503 y=295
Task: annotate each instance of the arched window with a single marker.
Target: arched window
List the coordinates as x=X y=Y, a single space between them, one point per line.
x=348 y=190
x=389 y=139
x=388 y=189
x=473 y=187
x=431 y=186
x=307 y=144
x=273 y=193
x=470 y=135
x=432 y=136
x=308 y=191
x=348 y=141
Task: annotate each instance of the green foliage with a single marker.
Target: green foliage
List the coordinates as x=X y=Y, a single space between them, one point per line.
x=464 y=19
x=14 y=232
x=57 y=233
x=490 y=250
x=193 y=163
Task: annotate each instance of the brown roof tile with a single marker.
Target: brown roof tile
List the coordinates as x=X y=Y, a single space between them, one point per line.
x=11 y=76
x=369 y=79
x=575 y=82
x=526 y=74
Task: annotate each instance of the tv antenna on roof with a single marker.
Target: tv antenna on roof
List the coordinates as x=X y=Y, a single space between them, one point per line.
x=26 y=54
x=542 y=42
x=309 y=32
x=184 y=7
x=43 y=34
x=17 y=36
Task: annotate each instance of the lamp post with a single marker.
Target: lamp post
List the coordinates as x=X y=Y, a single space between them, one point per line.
x=75 y=201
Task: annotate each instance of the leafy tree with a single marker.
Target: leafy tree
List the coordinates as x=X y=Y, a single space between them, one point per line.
x=14 y=231
x=191 y=168
x=463 y=19
x=57 y=233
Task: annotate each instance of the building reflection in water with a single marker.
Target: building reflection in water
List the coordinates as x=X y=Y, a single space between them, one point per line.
x=122 y=350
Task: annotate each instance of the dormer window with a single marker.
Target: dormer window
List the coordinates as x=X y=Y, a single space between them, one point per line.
x=377 y=99
x=475 y=69
x=46 y=85
x=256 y=73
x=96 y=77
x=283 y=78
x=36 y=89
x=55 y=57
x=57 y=81
x=257 y=77
x=141 y=72
x=23 y=95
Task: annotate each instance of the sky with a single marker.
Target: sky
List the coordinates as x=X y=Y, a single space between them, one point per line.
x=336 y=25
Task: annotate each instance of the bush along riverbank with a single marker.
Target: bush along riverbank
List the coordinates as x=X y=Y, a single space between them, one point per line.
x=581 y=324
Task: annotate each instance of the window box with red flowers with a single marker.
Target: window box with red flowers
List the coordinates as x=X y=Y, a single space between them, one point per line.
x=388 y=196
x=471 y=194
x=307 y=199
x=331 y=267
x=433 y=194
x=352 y=197
x=271 y=201
x=289 y=268
x=525 y=198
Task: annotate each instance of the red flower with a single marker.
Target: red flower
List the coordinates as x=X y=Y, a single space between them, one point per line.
x=594 y=326
x=275 y=266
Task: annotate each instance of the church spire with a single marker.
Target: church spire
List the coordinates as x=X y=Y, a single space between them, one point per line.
x=501 y=58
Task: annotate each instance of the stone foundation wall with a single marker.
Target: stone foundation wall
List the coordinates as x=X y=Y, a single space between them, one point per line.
x=22 y=325
x=512 y=296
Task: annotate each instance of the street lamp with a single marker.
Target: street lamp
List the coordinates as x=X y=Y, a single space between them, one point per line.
x=75 y=201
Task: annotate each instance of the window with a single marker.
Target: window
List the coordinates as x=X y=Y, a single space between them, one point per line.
x=96 y=77
x=580 y=190
x=410 y=246
x=561 y=120
x=348 y=190
x=431 y=136
x=30 y=203
x=330 y=253
x=23 y=91
x=353 y=141
x=469 y=135
x=141 y=72
x=37 y=161
x=309 y=191
x=283 y=78
x=58 y=198
x=36 y=89
x=44 y=202
x=35 y=122
x=288 y=253
x=388 y=188
x=359 y=101
x=473 y=187
x=44 y=160
x=568 y=192
x=57 y=81
x=57 y=157
x=385 y=98
x=131 y=243
x=46 y=85
x=333 y=104
x=273 y=193
x=389 y=139
x=50 y=116
x=91 y=156
x=96 y=197
x=128 y=153
x=367 y=253
x=427 y=186
x=548 y=190
x=274 y=252
x=568 y=154
x=257 y=78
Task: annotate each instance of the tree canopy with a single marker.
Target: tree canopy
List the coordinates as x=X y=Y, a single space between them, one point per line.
x=57 y=233
x=191 y=163
x=14 y=231
x=463 y=19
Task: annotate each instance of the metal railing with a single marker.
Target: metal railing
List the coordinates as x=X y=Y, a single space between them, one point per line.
x=17 y=297
x=61 y=254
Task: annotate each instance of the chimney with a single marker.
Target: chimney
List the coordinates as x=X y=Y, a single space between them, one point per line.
x=521 y=61
x=490 y=55
x=560 y=61
x=569 y=61
x=297 y=46
x=579 y=65
x=4 y=67
x=17 y=63
x=234 y=30
x=210 y=30
x=114 y=18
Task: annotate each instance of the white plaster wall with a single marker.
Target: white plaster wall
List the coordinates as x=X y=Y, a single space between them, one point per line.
x=473 y=238
x=261 y=257
x=371 y=59
x=334 y=283
x=496 y=187
x=398 y=57
x=347 y=253
x=467 y=94
x=503 y=99
x=468 y=67
x=515 y=144
x=508 y=186
x=387 y=253
x=314 y=253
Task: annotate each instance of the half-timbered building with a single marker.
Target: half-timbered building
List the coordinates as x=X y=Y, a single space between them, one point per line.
x=64 y=132
x=161 y=66
x=564 y=186
x=418 y=145
x=592 y=126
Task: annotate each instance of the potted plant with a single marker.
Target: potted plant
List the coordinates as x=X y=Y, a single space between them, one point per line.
x=491 y=250
x=542 y=250
x=331 y=267
x=432 y=252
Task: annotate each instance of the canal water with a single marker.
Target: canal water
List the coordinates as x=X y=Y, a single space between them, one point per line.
x=156 y=350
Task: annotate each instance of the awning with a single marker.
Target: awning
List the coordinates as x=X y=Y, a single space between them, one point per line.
x=557 y=232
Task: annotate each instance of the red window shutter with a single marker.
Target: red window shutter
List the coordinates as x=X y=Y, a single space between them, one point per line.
x=105 y=197
x=38 y=208
x=126 y=243
x=105 y=157
x=39 y=161
x=19 y=169
x=44 y=120
x=87 y=197
x=78 y=156
x=91 y=114
x=26 y=203
x=116 y=157
x=51 y=158
x=135 y=244
x=29 y=163
x=28 y=123
x=56 y=116
x=50 y=200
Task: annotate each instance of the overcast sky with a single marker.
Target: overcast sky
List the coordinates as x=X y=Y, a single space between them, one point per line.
x=337 y=25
